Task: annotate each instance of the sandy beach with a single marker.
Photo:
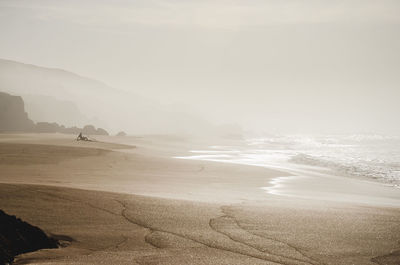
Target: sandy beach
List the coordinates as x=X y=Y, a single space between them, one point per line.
x=128 y=201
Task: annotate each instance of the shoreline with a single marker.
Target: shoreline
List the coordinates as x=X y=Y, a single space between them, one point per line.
x=288 y=184
x=281 y=180
x=141 y=206
x=147 y=169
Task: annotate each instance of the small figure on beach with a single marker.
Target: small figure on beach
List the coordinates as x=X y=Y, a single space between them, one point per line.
x=81 y=137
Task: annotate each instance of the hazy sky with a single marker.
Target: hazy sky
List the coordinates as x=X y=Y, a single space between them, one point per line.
x=295 y=66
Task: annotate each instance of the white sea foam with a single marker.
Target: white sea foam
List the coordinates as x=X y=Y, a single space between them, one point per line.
x=367 y=156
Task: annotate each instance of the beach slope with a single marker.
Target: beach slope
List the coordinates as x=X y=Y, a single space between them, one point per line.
x=114 y=204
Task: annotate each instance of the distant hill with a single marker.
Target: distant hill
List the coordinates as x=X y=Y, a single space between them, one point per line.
x=55 y=95
x=14 y=118
x=50 y=109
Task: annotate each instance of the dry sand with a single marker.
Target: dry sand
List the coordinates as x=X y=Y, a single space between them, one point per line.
x=183 y=212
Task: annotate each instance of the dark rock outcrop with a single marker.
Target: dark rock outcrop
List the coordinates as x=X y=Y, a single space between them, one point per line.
x=17 y=237
x=91 y=130
x=46 y=127
x=71 y=130
x=101 y=131
x=121 y=134
x=12 y=114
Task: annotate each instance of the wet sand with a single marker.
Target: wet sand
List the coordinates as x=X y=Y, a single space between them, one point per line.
x=118 y=204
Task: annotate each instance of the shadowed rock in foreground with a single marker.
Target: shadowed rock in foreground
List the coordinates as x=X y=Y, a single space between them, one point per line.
x=17 y=237
x=393 y=258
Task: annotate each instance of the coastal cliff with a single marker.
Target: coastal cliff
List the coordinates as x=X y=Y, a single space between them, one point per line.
x=12 y=114
x=14 y=118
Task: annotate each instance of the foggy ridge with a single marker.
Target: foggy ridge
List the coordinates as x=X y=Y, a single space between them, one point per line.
x=54 y=95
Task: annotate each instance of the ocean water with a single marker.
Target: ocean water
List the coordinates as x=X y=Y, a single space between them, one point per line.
x=372 y=157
